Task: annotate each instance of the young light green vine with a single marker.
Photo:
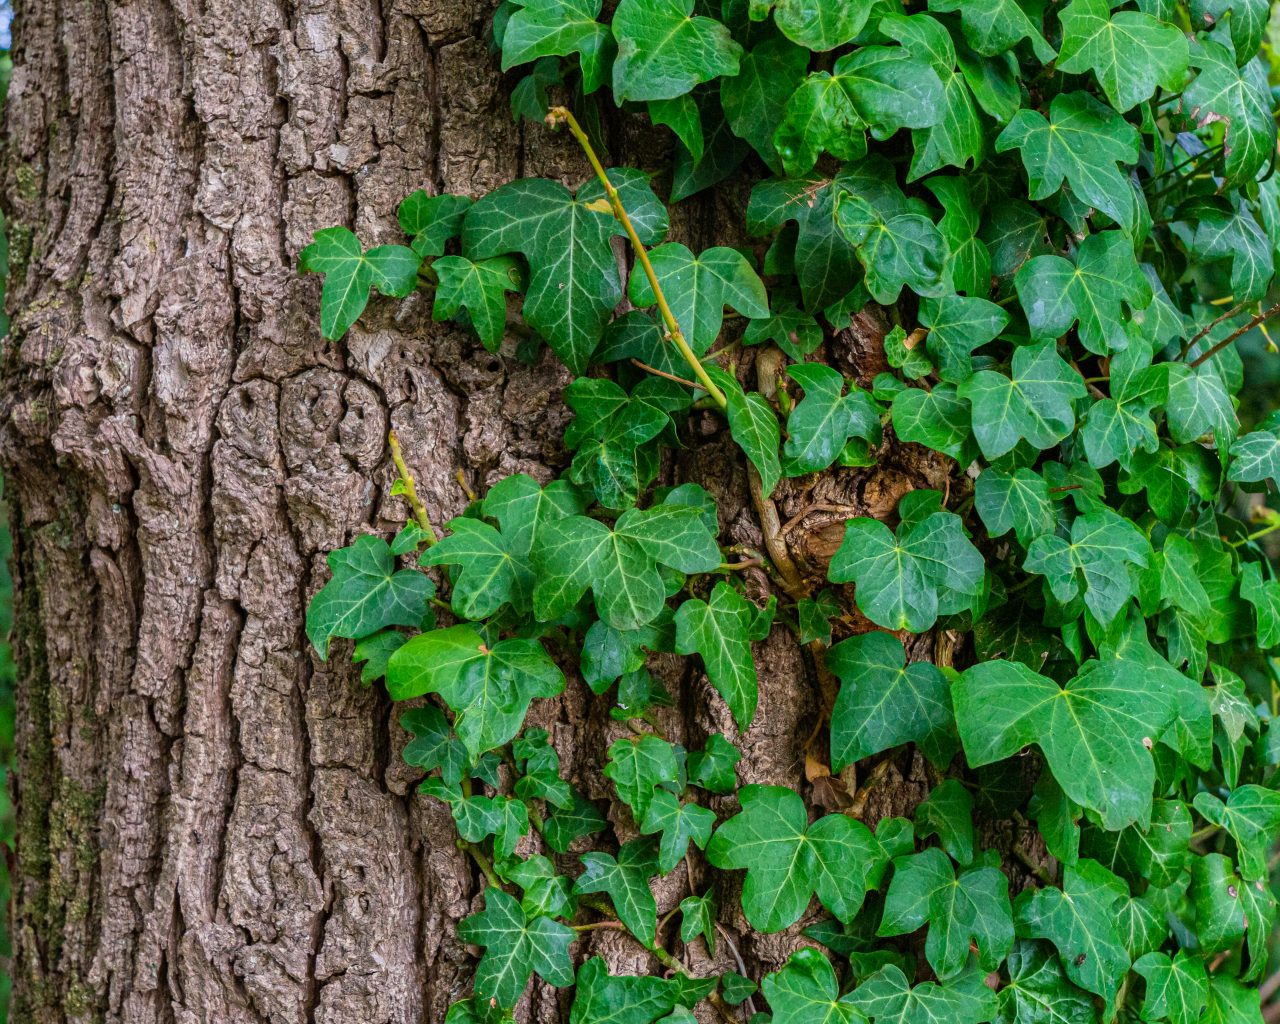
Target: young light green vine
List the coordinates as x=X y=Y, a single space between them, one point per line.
x=1067 y=213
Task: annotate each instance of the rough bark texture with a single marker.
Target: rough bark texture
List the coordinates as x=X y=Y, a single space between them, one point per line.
x=214 y=825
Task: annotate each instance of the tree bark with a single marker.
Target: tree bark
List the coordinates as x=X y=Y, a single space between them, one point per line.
x=215 y=826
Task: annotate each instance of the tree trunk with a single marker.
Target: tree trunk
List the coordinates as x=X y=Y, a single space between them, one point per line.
x=214 y=826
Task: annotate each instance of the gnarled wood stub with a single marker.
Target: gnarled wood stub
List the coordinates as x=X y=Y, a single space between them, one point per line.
x=214 y=825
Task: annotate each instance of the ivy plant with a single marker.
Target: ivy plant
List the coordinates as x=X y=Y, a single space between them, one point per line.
x=1065 y=217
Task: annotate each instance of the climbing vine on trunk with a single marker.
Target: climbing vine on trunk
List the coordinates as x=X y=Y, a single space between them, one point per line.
x=1068 y=216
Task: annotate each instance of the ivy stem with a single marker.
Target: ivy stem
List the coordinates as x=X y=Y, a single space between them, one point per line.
x=767 y=513
x=1238 y=333
x=1038 y=870
x=610 y=924
x=558 y=115
x=663 y=374
x=750 y=563
x=482 y=862
x=411 y=489
x=1234 y=311
x=1249 y=538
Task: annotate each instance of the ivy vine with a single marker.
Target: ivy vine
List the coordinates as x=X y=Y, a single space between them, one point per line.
x=1068 y=215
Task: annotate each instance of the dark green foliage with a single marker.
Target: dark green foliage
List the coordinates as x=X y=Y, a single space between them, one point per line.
x=1066 y=214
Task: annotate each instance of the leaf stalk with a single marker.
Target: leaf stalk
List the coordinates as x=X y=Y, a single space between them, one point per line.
x=561 y=115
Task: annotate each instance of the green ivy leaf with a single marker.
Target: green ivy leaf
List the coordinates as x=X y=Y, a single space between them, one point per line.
x=489 y=575
x=433 y=745
x=366 y=594
x=1039 y=992
x=909 y=359
x=819 y=117
x=1251 y=816
x=958 y=325
x=573 y=279
x=823 y=421
x=1014 y=232
x=938 y=419
x=1229 y=909
x=1099 y=561
x=947 y=812
x=351 y=273
x=1170 y=476
x=825 y=263
x=973 y=906
x=1119 y=427
x=890 y=88
x=620 y=566
x=819 y=26
x=625 y=879
x=815 y=615
x=721 y=630
x=958 y=134
x=698 y=288
x=564 y=827
x=505 y=819
x=601 y=997
x=1158 y=853
x=1246 y=19
x=1227 y=230
x=1095 y=732
x=1080 y=143
x=1231 y=1003
x=1199 y=404
x=787 y=859
x=489 y=689
x=1177 y=987
x=1255 y=458
x=682 y=116
x=522 y=508
x=968 y=262
x=754 y=426
x=714 y=767
x=1239 y=99
x=994 y=26
x=755 y=100
x=897 y=246
x=680 y=824
x=788 y=326
x=805 y=992
x=1017 y=501
x=545 y=892
x=884 y=703
x=698 y=918
x=1056 y=292
x=479 y=287
x=638 y=766
x=539 y=766
x=889 y=998
x=900 y=578
x=664 y=50
x=1265 y=598
x=516 y=946
x=1033 y=404
x=1130 y=52
x=558 y=28
x=432 y=221
x=612 y=432
x=1079 y=919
